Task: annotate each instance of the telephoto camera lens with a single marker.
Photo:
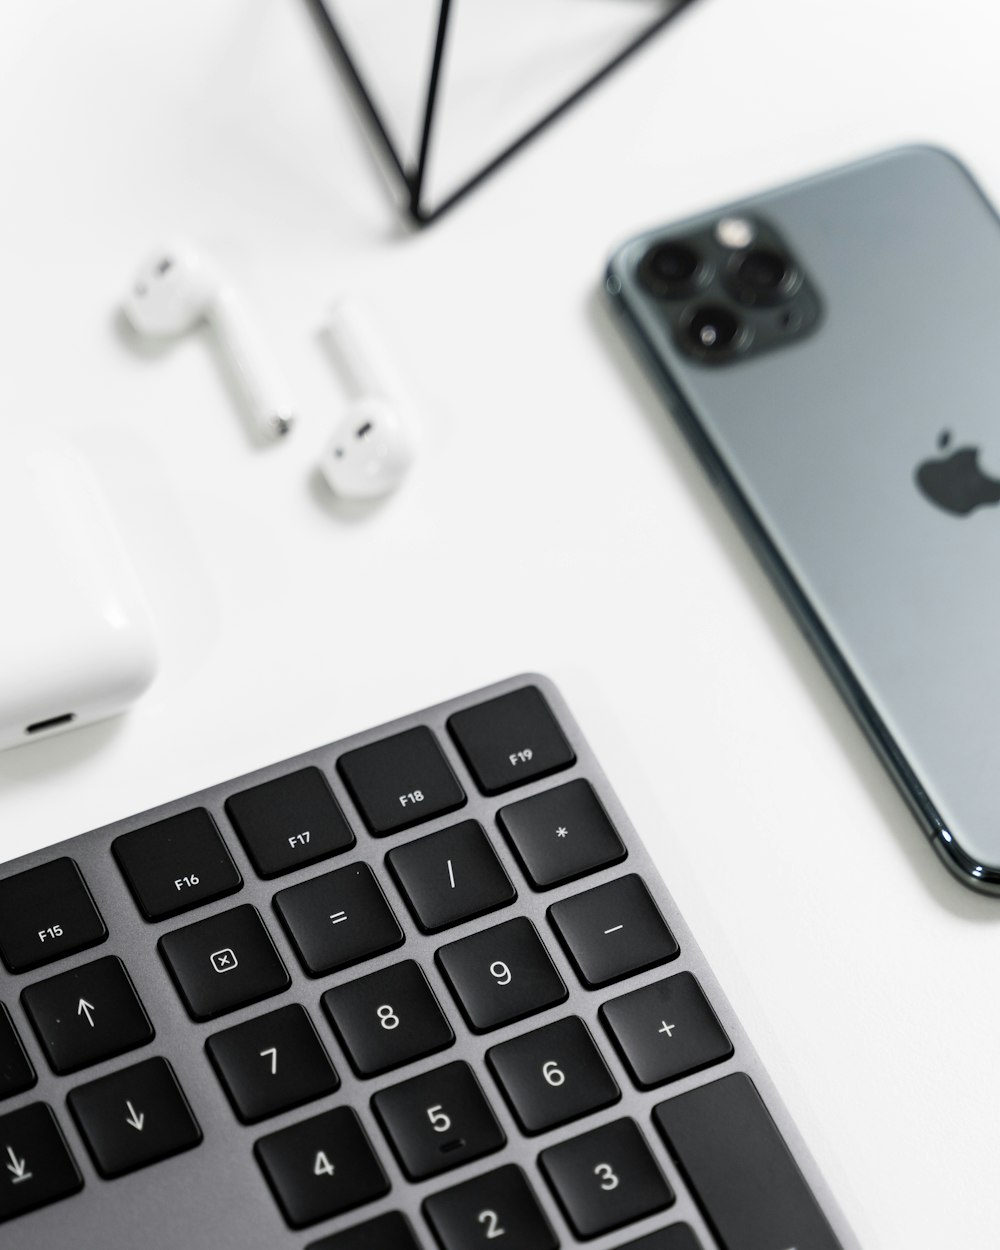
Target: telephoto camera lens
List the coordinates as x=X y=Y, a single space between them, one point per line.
x=763 y=276
x=670 y=270
x=712 y=331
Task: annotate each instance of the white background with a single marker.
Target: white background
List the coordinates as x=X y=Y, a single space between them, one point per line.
x=556 y=520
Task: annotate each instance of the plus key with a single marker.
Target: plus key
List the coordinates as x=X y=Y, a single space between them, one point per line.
x=666 y=1030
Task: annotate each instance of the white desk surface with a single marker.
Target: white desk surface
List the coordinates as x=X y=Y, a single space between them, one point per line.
x=556 y=521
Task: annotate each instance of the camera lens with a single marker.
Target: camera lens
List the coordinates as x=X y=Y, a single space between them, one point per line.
x=670 y=270
x=713 y=331
x=763 y=276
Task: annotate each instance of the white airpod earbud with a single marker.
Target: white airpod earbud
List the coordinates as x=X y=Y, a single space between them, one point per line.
x=372 y=447
x=178 y=288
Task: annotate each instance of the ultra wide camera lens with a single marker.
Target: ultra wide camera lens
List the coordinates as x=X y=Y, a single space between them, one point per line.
x=763 y=276
x=670 y=270
x=711 y=330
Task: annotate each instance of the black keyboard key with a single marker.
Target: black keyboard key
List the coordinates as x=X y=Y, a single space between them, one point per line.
x=742 y=1175
x=666 y=1030
x=451 y=876
x=133 y=1118
x=321 y=1168
x=36 y=1166
x=401 y=781
x=613 y=931
x=45 y=913
x=391 y=1231
x=87 y=1014
x=676 y=1237
x=338 y=919
x=272 y=1064
x=561 y=834
x=438 y=1121
x=553 y=1075
x=511 y=740
x=501 y=975
x=289 y=822
x=471 y=1216
x=176 y=864
x=387 y=1018
x=16 y=1072
x=223 y=962
x=606 y=1179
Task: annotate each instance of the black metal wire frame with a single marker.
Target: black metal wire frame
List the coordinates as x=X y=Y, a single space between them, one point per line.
x=413 y=177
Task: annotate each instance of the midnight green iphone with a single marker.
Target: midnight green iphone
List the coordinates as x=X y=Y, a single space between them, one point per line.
x=832 y=351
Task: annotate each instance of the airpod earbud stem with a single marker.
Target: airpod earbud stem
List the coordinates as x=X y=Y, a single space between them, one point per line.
x=252 y=366
x=179 y=288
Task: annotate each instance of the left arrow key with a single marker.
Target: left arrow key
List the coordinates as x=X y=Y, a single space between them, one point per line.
x=37 y=1165
x=87 y=1014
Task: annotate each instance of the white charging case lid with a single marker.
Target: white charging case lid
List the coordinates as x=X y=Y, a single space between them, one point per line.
x=76 y=636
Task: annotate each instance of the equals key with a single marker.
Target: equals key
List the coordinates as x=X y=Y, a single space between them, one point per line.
x=613 y=931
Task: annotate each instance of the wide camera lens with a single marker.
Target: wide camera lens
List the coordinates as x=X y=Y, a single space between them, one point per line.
x=763 y=276
x=713 y=331
x=670 y=270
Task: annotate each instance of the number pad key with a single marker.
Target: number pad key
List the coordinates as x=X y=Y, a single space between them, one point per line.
x=676 y=1237
x=391 y=1231
x=743 y=1175
x=666 y=1030
x=133 y=1118
x=45 y=913
x=502 y=974
x=561 y=834
x=613 y=931
x=321 y=1168
x=605 y=1179
x=511 y=740
x=451 y=876
x=87 y=1014
x=38 y=1167
x=498 y=1207
x=272 y=1064
x=289 y=822
x=401 y=780
x=338 y=919
x=387 y=1018
x=553 y=1075
x=16 y=1072
x=438 y=1121
x=176 y=864
x=224 y=962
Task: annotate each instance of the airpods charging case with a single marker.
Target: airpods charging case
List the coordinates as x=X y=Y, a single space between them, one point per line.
x=76 y=636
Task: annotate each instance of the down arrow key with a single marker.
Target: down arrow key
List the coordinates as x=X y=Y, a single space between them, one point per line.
x=135 y=1117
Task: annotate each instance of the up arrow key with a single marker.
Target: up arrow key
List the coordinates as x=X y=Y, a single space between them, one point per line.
x=85 y=1009
x=17 y=1167
x=137 y=1121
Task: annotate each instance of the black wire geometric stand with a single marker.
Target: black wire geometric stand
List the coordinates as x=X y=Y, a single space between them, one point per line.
x=412 y=177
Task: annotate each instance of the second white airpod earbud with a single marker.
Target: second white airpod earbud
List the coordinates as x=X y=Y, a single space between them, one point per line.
x=372 y=447
x=178 y=288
